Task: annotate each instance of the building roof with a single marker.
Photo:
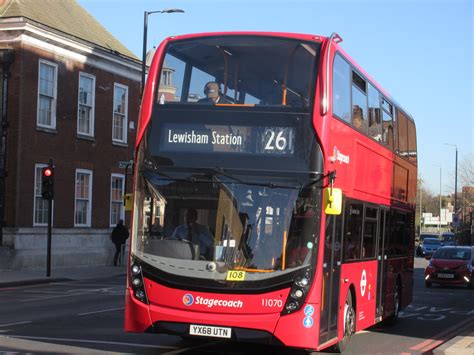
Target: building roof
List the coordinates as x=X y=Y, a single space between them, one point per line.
x=66 y=16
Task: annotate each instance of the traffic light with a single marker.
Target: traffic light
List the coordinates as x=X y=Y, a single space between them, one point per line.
x=47 y=182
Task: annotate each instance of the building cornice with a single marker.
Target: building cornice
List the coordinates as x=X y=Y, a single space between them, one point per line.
x=19 y=30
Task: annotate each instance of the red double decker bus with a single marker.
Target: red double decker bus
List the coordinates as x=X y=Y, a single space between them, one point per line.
x=274 y=193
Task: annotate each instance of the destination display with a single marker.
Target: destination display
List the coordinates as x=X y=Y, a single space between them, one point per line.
x=227 y=139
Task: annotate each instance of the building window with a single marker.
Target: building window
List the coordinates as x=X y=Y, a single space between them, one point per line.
x=86 y=103
x=117 y=185
x=119 y=126
x=40 y=206
x=83 y=203
x=47 y=91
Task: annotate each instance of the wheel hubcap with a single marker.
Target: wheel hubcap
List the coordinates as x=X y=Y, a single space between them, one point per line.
x=349 y=320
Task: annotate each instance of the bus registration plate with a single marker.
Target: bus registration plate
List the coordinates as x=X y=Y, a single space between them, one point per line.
x=208 y=331
x=446 y=276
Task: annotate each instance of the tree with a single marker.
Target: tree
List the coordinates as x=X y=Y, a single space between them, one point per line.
x=466 y=178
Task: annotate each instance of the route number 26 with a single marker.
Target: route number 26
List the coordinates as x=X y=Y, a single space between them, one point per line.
x=275 y=139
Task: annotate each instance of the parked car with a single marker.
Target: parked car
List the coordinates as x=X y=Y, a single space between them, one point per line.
x=429 y=246
x=451 y=265
x=420 y=239
x=448 y=239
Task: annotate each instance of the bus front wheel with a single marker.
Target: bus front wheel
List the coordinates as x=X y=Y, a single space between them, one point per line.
x=349 y=324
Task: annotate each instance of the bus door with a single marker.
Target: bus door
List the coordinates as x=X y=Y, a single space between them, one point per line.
x=331 y=277
x=382 y=262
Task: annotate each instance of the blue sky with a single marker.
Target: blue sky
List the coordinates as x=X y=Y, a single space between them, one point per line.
x=420 y=51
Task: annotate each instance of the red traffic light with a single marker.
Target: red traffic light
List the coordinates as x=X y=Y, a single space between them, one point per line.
x=48 y=172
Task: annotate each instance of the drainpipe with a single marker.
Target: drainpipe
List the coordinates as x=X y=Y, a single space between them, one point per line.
x=6 y=59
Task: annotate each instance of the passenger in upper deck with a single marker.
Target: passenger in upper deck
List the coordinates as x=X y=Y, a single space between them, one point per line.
x=213 y=94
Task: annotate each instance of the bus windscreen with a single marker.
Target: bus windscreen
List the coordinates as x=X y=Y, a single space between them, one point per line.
x=245 y=70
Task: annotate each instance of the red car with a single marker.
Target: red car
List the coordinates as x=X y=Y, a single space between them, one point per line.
x=451 y=265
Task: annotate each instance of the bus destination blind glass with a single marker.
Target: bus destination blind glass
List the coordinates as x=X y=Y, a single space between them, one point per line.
x=199 y=138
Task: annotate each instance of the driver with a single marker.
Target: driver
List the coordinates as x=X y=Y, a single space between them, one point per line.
x=195 y=233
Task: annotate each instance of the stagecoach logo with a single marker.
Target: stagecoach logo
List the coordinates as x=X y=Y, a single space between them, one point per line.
x=363 y=283
x=338 y=156
x=188 y=299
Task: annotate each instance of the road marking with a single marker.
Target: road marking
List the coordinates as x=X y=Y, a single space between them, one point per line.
x=94 y=342
x=79 y=283
x=104 y=310
x=441 y=337
x=41 y=291
x=49 y=298
x=17 y=323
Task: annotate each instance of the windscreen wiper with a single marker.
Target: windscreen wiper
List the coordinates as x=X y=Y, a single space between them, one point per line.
x=224 y=172
x=168 y=177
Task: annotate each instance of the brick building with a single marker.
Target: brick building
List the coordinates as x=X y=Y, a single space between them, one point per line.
x=69 y=92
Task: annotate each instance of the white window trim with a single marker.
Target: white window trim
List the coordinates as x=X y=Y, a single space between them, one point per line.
x=90 y=76
x=122 y=210
x=55 y=95
x=125 y=121
x=35 y=224
x=89 y=212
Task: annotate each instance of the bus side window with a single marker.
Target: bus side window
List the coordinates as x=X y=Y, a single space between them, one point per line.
x=402 y=134
x=387 y=123
x=370 y=233
x=353 y=231
x=341 y=99
x=412 y=155
x=375 y=119
x=359 y=103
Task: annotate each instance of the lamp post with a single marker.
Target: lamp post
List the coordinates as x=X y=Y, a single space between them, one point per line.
x=421 y=209
x=455 y=182
x=145 y=30
x=439 y=219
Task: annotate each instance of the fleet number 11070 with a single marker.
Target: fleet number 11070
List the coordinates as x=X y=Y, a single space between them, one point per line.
x=272 y=302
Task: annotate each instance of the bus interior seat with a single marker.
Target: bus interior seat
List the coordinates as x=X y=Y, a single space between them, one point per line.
x=173 y=248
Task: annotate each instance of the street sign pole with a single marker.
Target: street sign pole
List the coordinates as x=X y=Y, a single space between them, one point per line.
x=48 y=257
x=125 y=165
x=50 y=219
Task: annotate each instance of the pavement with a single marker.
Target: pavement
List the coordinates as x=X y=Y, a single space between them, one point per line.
x=462 y=344
x=13 y=278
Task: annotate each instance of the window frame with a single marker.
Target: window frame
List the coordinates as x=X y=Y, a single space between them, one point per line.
x=89 y=210
x=122 y=209
x=54 y=98
x=92 y=107
x=125 y=115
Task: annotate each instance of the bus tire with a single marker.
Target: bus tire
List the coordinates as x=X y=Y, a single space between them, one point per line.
x=397 y=300
x=349 y=324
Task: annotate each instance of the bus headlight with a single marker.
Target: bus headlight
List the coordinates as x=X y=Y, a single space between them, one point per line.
x=136 y=281
x=136 y=269
x=298 y=292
